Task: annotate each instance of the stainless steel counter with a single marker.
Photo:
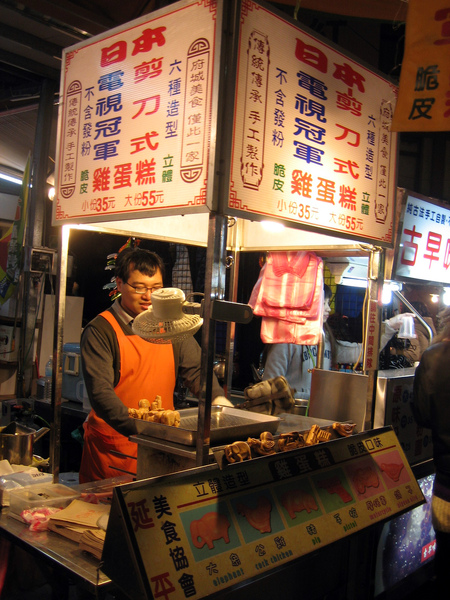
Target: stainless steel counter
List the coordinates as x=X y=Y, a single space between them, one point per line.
x=62 y=554
x=394 y=394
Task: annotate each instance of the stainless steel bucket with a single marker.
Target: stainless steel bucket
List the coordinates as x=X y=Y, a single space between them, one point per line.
x=16 y=443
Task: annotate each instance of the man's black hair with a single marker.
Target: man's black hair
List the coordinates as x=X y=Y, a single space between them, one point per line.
x=137 y=259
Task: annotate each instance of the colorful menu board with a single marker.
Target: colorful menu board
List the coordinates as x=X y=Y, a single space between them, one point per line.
x=135 y=118
x=206 y=529
x=311 y=137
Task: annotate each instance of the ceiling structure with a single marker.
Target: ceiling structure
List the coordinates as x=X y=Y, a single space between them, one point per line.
x=33 y=34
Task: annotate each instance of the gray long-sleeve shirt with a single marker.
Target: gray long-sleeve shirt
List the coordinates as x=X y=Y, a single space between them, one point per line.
x=100 y=359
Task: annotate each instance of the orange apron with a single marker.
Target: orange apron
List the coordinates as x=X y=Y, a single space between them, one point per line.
x=146 y=370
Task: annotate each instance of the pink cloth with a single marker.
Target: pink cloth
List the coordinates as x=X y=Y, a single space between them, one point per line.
x=289 y=297
x=286 y=285
x=280 y=331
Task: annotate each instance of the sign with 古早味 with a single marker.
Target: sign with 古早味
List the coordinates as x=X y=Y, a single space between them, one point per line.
x=203 y=530
x=312 y=139
x=423 y=251
x=135 y=118
x=424 y=91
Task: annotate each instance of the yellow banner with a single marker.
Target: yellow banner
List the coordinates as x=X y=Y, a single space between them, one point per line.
x=424 y=95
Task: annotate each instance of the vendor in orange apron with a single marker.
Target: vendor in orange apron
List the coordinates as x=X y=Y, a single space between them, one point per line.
x=146 y=371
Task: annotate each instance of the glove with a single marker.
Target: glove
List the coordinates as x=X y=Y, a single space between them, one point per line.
x=221 y=401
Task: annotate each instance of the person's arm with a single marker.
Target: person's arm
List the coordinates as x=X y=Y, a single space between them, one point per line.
x=293 y=362
x=421 y=394
x=188 y=362
x=99 y=353
x=277 y=361
x=390 y=327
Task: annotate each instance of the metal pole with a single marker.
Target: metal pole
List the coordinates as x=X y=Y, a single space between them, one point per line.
x=232 y=264
x=35 y=234
x=372 y=329
x=58 y=336
x=214 y=289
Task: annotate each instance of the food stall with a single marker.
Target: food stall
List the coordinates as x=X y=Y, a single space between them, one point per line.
x=225 y=210
x=194 y=126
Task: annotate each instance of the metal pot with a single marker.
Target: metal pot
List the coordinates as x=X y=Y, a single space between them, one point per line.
x=16 y=443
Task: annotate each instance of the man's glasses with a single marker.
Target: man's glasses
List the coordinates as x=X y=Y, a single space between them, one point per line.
x=140 y=289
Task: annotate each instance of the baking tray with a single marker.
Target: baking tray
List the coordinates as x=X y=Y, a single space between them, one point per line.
x=227 y=424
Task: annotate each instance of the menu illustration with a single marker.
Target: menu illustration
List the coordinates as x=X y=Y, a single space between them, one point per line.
x=214 y=528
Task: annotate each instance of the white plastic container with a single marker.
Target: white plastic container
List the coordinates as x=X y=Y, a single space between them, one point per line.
x=35 y=496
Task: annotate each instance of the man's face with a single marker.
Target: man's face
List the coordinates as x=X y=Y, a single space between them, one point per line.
x=132 y=302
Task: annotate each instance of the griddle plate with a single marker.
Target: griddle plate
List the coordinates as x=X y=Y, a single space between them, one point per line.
x=227 y=424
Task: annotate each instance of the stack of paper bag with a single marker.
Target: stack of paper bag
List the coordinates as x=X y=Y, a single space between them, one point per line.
x=92 y=541
x=80 y=522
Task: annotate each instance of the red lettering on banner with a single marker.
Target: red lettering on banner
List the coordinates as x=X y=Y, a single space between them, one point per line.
x=144 y=142
x=147 y=39
x=411 y=244
x=113 y=54
x=433 y=246
x=312 y=56
x=148 y=70
x=117 y=52
x=139 y=513
x=443 y=15
x=100 y=180
x=447 y=255
x=346 y=166
x=122 y=175
x=163 y=586
x=346 y=131
x=325 y=190
x=350 y=77
x=155 y=101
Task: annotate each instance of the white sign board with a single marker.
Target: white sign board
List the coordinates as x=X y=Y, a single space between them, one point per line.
x=311 y=137
x=424 y=247
x=135 y=118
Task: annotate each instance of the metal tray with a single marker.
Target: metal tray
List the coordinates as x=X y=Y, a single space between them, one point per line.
x=227 y=424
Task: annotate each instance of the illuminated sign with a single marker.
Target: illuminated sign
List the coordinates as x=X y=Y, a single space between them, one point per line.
x=311 y=137
x=135 y=118
x=424 y=242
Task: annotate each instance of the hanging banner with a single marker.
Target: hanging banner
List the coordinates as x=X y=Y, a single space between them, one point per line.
x=424 y=95
x=312 y=141
x=217 y=528
x=135 y=118
x=11 y=244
